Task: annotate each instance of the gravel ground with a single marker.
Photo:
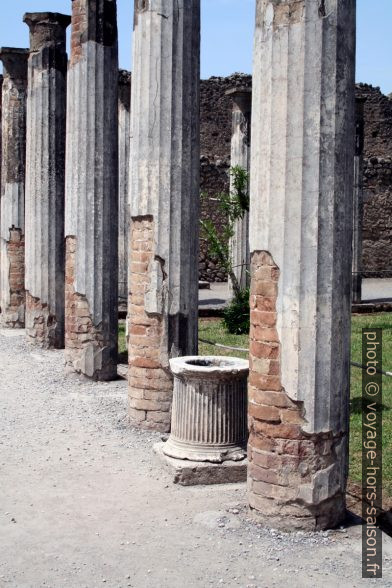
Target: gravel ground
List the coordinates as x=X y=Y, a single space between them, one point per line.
x=85 y=503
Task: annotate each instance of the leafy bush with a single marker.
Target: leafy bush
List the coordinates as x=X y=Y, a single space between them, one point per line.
x=236 y=314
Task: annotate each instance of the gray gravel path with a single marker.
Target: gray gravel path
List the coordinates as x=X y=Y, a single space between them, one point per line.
x=84 y=503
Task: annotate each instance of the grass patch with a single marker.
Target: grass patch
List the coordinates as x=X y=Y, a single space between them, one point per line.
x=382 y=320
x=214 y=330
x=122 y=343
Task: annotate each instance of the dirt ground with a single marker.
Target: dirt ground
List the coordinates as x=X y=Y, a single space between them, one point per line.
x=85 y=503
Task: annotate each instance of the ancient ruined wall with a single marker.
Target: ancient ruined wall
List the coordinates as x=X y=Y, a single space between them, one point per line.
x=377 y=178
x=215 y=130
x=215 y=164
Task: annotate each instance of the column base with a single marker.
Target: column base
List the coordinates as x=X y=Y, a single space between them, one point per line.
x=93 y=362
x=291 y=517
x=42 y=327
x=13 y=319
x=195 y=473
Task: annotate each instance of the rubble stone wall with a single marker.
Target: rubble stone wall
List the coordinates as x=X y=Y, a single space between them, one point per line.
x=377 y=183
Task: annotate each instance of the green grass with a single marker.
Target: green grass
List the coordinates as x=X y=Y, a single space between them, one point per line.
x=122 y=344
x=384 y=321
x=213 y=330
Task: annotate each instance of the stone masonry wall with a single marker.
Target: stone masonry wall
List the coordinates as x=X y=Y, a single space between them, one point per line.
x=377 y=229
x=283 y=459
x=377 y=183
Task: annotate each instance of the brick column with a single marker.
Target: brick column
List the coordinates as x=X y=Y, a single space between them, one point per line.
x=124 y=121
x=300 y=242
x=164 y=200
x=240 y=157
x=12 y=294
x=91 y=191
x=45 y=178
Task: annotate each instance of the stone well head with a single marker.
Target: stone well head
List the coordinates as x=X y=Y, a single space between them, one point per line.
x=209 y=366
x=209 y=412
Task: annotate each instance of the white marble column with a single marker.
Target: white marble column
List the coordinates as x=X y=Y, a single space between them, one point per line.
x=164 y=201
x=300 y=243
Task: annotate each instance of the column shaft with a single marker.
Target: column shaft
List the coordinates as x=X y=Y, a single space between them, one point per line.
x=91 y=191
x=240 y=157
x=300 y=242
x=12 y=247
x=124 y=122
x=164 y=200
x=45 y=179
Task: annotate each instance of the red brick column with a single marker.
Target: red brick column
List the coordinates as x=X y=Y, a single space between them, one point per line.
x=284 y=461
x=150 y=381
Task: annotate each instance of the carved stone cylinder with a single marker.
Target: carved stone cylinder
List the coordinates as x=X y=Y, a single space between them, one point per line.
x=209 y=412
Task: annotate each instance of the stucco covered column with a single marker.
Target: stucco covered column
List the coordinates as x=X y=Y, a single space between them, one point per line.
x=164 y=201
x=91 y=191
x=240 y=157
x=300 y=242
x=45 y=178
x=12 y=214
x=124 y=122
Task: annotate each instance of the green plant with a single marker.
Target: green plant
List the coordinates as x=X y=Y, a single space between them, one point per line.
x=236 y=315
x=233 y=206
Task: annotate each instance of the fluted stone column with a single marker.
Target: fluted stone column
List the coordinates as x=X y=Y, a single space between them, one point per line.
x=358 y=200
x=12 y=246
x=124 y=121
x=164 y=200
x=91 y=191
x=45 y=178
x=240 y=157
x=300 y=242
